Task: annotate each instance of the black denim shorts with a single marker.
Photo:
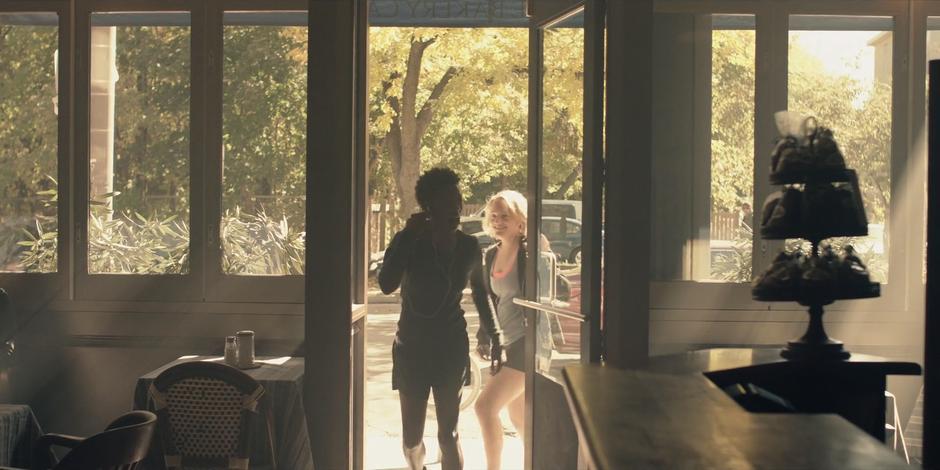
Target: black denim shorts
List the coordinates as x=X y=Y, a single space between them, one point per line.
x=421 y=364
x=515 y=355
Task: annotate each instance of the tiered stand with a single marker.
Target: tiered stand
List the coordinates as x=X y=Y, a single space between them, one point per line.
x=815 y=344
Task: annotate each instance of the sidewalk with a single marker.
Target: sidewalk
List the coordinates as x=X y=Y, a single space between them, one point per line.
x=383 y=417
x=384 y=453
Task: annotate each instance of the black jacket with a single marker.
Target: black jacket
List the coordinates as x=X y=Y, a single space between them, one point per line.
x=489 y=256
x=430 y=292
x=545 y=343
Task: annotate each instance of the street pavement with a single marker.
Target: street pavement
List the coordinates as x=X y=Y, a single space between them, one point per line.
x=382 y=415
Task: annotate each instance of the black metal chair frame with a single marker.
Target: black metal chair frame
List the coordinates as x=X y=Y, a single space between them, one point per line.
x=121 y=446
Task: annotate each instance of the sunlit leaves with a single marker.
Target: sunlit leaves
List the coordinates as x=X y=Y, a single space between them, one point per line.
x=479 y=127
x=28 y=149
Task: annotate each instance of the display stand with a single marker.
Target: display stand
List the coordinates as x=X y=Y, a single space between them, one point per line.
x=820 y=217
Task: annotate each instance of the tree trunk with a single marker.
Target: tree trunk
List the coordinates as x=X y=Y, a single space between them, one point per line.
x=409 y=126
x=566 y=185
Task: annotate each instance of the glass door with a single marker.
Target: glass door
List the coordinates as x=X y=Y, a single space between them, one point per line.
x=565 y=188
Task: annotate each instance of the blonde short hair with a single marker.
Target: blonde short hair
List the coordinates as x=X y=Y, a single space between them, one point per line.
x=518 y=207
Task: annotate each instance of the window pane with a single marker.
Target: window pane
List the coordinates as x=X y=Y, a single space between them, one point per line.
x=562 y=176
x=933 y=53
x=28 y=142
x=731 y=220
x=703 y=146
x=264 y=142
x=840 y=72
x=138 y=220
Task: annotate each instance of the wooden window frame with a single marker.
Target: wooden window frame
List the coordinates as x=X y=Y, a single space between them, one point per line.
x=222 y=287
x=24 y=286
x=772 y=30
x=184 y=287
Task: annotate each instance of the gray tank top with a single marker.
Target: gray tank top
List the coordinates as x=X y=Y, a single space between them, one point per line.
x=509 y=314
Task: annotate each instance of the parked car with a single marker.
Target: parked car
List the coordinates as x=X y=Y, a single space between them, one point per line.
x=563 y=233
x=550 y=207
x=473 y=225
x=564 y=236
x=562 y=208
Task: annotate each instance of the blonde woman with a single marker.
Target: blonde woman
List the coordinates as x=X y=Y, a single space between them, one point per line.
x=505 y=267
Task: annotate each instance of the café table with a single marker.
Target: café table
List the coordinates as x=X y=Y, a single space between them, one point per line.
x=282 y=379
x=19 y=431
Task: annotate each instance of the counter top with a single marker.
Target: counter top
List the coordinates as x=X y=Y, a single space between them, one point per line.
x=712 y=361
x=641 y=419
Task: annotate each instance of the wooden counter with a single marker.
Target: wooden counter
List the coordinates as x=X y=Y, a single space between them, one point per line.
x=649 y=420
x=853 y=389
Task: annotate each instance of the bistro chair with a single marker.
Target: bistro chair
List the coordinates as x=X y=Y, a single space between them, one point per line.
x=206 y=412
x=122 y=446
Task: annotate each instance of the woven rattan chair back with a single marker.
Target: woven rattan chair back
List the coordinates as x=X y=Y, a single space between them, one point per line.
x=122 y=446
x=205 y=412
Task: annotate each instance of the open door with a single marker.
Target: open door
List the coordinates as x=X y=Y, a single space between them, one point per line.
x=565 y=184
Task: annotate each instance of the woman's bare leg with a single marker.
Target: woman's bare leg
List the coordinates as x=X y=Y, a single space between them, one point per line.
x=500 y=390
x=517 y=414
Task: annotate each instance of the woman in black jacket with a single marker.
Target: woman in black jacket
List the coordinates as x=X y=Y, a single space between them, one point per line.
x=432 y=261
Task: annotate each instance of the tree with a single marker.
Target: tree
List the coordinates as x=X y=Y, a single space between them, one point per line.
x=434 y=92
x=732 y=144
x=264 y=84
x=28 y=149
x=151 y=120
x=459 y=97
x=563 y=112
x=859 y=115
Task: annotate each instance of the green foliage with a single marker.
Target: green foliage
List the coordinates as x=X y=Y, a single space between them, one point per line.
x=41 y=251
x=133 y=243
x=28 y=149
x=479 y=126
x=136 y=244
x=860 y=117
x=264 y=83
x=563 y=112
x=876 y=263
x=151 y=120
x=258 y=244
x=735 y=266
x=732 y=144
x=27 y=92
